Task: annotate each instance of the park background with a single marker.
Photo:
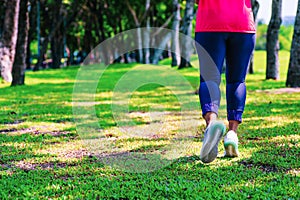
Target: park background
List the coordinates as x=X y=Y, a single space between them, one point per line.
x=43 y=155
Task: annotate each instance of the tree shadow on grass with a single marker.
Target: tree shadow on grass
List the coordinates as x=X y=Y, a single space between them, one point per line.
x=257 y=133
x=276 y=153
x=187 y=177
x=273 y=107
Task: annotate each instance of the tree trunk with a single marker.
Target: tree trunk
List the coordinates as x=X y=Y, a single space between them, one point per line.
x=56 y=51
x=255 y=8
x=147 y=42
x=43 y=49
x=147 y=36
x=57 y=39
x=2 y=15
x=140 y=44
x=8 y=39
x=175 y=48
x=57 y=27
x=41 y=46
x=293 y=76
x=162 y=44
x=139 y=33
x=19 y=65
x=101 y=25
x=273 y=42
x=186 y=46
x=88 y=37
x=28 y=53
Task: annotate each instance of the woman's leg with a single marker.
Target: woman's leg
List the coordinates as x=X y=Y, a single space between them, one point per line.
x=211 y=49
x=239 y=50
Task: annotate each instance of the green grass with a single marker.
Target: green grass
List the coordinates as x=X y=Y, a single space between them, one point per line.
x=44 y=156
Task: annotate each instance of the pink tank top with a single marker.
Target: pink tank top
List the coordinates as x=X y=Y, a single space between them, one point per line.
x=225 y=16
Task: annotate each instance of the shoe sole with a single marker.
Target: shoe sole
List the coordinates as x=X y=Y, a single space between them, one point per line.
x=215 y=134
x=231 y=149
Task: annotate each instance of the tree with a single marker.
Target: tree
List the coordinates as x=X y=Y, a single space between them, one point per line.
x=293 y=76
x=8 y=39
x=187 y=30
x=175 y=34
x=2 y=16
x=255 y=8
x=138 y=21
x=19 y=66
x=146 y=35
x=56 y=19
x=57 y=44
x=273 y=42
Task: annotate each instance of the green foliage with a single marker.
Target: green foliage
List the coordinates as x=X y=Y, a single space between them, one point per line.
x=34 y=47
x=284 y=43
x=43 y=157
x=261 y=34
x=161 y=7
x=66 y=2
x=285 y=37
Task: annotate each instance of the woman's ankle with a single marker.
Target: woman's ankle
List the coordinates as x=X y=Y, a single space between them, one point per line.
x=233 y=125
x=209 y=117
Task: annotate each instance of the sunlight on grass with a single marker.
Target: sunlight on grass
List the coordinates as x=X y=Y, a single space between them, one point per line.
x=50 y=81
x=37 y=127
x=291 y=140
x=4 y=84
x=45 y=156
x=64 y=151
x=294 y=172
x=104 y=95
x=271 y=122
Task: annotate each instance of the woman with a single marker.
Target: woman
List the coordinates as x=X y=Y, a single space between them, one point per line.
x=224 y=29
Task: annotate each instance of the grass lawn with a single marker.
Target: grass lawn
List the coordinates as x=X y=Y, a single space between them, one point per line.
x=143 y=142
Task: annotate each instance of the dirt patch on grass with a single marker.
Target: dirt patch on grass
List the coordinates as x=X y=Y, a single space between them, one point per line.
x=254 y=138
x=264 y=167
x=27 y=166
x=261 y=166
x=9 y=130
x=295 y=172
x=281 y=91
x=14 y=122
x=34 y=130
x=80 y=153
x=73 y=157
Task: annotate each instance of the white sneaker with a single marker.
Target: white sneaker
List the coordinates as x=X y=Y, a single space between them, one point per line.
x=231 y=144
x=212 y=137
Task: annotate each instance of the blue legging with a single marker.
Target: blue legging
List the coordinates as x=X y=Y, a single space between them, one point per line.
x=212 y=48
